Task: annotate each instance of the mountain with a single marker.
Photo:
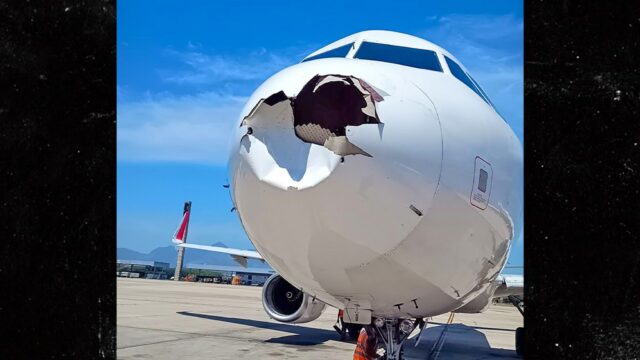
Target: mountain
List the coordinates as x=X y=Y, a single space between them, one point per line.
x=164 y=254
x=124 y=253
x=168 y=254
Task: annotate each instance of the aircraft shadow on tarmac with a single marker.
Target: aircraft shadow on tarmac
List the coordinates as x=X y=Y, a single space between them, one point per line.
x=301 y=335
x=458 y=342
x=480 y=327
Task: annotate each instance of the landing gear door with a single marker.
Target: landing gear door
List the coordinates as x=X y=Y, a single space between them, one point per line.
x=481 y=191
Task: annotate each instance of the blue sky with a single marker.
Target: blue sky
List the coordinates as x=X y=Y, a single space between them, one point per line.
x=184 y=73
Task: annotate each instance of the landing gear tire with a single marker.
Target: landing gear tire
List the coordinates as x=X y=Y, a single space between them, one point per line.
x=520 y=341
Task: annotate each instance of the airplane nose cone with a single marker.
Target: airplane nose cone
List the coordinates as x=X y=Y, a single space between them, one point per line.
x=335 y=176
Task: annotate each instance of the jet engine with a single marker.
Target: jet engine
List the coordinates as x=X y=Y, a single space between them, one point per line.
x=286 y=303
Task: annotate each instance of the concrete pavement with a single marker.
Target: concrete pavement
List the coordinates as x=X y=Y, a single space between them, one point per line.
x=162 y=319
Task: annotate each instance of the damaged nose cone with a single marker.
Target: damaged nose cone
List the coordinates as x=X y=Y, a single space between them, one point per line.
x=281 y=130
x=327 y=104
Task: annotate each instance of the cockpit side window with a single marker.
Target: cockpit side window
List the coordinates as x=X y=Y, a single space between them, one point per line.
x=459 y=74
x=417 y=58
x=484 y=95
x=339 y=52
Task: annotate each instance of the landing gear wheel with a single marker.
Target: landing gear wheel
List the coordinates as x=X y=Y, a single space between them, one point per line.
x=520 y=341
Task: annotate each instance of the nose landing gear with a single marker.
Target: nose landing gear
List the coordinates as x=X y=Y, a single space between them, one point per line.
x=393 y=333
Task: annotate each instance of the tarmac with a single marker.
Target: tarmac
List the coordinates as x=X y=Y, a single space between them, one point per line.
x=164 y=319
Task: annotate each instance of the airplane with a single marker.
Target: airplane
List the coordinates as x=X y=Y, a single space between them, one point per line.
x=376 y=176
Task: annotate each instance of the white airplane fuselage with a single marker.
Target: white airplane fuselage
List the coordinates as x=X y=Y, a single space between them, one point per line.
x=406 y=231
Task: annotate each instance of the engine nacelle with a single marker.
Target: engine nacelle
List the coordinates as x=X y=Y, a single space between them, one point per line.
x=286 y=303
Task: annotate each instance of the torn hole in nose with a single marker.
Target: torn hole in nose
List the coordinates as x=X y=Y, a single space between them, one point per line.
x=321 y=112
x=327 y=104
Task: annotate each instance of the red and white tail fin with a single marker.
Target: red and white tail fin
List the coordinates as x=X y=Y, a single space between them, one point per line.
x=180 y=240
x=180 y=236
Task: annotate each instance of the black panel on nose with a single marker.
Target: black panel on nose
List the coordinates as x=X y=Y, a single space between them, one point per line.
x=321 y=111
x=327 y=104
x=331 y=104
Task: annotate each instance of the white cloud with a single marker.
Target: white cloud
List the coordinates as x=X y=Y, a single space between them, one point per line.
x=191 y=129
x=194 y=128
x=203 y=68
x=490 y=37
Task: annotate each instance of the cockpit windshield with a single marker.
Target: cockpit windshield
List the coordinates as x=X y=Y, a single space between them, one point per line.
x=417 y=58
x=339 y=52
